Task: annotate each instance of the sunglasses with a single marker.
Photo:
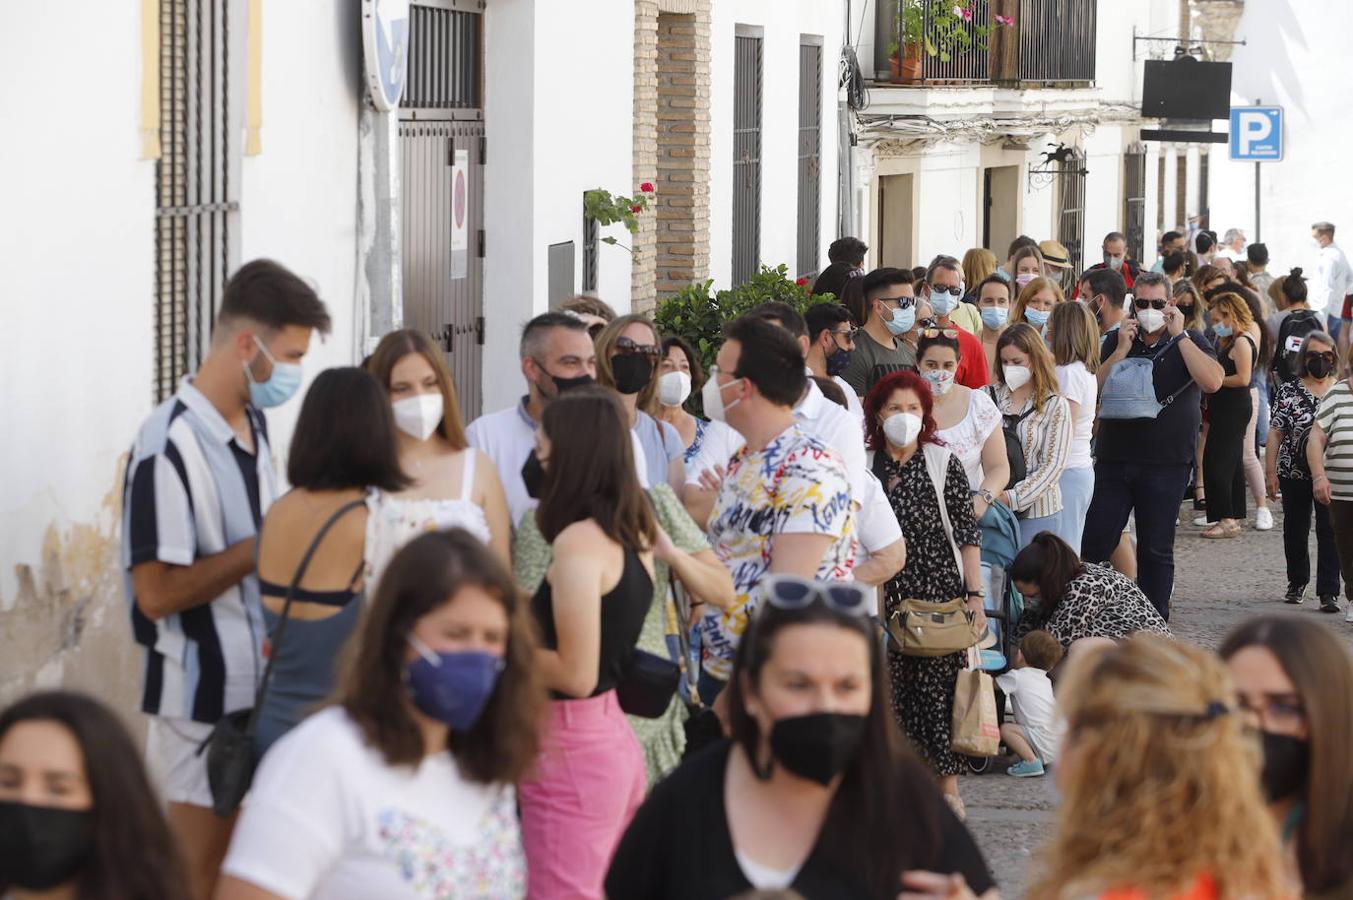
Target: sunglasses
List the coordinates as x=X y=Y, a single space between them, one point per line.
x=792 y=592
x=627 y=346
x=902 y=302
x=1326 y=356
x=939 y=332
x=848 y=333
x=956 y=290
x=1152 y=304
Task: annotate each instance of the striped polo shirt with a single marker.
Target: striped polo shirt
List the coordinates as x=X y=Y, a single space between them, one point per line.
x=192 y=491
x=1335 y=418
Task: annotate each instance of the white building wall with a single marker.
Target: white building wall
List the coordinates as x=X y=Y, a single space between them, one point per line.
x=783 y=22
x=1296 y=57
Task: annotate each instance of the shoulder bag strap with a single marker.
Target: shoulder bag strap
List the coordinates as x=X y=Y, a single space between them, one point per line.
x=1170 y=398
x=284 y=616
x=937 y=465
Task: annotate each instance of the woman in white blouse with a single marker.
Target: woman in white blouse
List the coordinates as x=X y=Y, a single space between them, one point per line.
x=968 y=421
x=404 y=787
x=1074 y=336
x=1025 y=392
x=454 y=485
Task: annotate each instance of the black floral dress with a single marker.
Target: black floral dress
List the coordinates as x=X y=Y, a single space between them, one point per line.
x=923 y=686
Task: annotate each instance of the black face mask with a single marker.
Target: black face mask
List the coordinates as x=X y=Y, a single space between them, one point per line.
x=42 y=846
x=1186 y=309
x=838 y=361
x=533 y=476
x=632 y=371
x=1318 y=367
x=818 y=746
x=564 y=385
x=1286 y=761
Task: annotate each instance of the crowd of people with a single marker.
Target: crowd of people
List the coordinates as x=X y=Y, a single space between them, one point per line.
x=681 y=626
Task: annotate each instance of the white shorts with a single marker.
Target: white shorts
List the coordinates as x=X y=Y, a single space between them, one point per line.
x=176 y=767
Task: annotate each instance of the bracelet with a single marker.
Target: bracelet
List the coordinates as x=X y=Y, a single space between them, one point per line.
x=981 y=594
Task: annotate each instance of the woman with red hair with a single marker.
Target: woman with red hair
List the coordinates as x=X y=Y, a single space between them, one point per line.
x=928 y=489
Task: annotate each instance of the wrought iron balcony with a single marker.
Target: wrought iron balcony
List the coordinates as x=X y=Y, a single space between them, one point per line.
x=1006 y=42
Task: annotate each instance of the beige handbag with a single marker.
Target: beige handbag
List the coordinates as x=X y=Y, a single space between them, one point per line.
x=975 y=730
x=925 y=628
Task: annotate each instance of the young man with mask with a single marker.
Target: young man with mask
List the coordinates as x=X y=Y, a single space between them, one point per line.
x=1115 y=259
x=831 y=344
x=557 y=354
x=1170 y=242
x=784 y=506
x=890 y=302
x=1142 y=465
x=198 y=483
x=943 y=290
x=1103 y=291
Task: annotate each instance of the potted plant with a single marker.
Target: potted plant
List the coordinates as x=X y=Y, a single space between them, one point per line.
x=904 y=51
x=943 y=28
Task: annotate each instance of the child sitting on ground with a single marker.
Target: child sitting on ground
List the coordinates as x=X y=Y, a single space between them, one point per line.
x=1034 y=733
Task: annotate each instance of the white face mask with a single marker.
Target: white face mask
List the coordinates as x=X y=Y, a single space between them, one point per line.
x=418 y=416
x=1151 y=320
x=712 y=395
x=1017 y=377
x=902 y=429
x=674 y=388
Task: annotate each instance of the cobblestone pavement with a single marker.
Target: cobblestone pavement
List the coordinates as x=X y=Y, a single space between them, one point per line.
x=1217 y=583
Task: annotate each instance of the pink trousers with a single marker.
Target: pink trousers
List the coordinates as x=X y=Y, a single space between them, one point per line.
x=588 y=782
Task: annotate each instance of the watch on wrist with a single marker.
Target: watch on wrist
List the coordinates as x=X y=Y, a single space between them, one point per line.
x=986 y=495
x=979 y=594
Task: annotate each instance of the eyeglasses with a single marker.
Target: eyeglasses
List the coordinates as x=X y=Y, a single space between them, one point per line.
x=1153 y=304
x=626 y=346
x=1283 y=713
x=1326 y=356
x=792 y=592
x=848 y=333
x=939 y=332
x=902 y=302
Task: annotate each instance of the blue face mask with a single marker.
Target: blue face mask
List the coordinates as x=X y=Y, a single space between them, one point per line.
x=1222 y=330
x=901 y=321
x=284 y=382
x=995 y=316
x=1036 y=317
x=944 y=302
x=452 y=687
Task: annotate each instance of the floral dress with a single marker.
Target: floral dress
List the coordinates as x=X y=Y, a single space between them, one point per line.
x=663 y=739
x=923 y=686
x=1294 y=411
x=694 y=449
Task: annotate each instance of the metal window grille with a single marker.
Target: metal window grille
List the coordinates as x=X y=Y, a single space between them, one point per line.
x=591 y=233
x=747 y=74
x=810 y=156
x=194 y=199
x=1057 y=40
x=1071 y=203
x=1181 y=186
x=1204 y=211
x=1160 y=194
x=1134 y=200
x=971 y=64
x=444 y=55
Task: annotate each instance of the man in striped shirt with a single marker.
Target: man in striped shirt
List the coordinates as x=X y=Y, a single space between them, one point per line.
x=198 y=482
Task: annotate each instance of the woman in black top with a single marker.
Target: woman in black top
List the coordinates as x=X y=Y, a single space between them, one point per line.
x=1228 y=414
x=816 y=792
x=591 y=607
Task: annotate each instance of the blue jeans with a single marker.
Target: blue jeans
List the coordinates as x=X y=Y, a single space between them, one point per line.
x=1029 y=528
x=1153 y=491
x=1335 y=323
x=1078 y=487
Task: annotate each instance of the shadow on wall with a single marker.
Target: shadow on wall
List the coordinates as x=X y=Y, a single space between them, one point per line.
x=1266 y=68
x=67 y=626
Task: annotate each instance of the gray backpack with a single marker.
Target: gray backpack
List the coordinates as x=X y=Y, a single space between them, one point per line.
x=1130 y=390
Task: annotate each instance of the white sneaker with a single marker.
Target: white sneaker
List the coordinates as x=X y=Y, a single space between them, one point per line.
x=1201 y=520
x=1263 y=519
x=1348 y=616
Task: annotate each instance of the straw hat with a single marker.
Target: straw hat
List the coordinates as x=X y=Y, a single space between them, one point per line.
x=1054 y=254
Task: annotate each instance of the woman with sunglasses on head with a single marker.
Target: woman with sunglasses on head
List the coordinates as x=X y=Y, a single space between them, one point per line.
x=1288 y=473
x=403 y=788
x=1229 y=410
x=1296 y=681
x=815 y=792
x=1026 y=394
x=628 y=356
x=943 y=557
x=1036 y=301
x=78 y=816
x=453 y=484
x=595 y=312
x=1074 y=336
x=682 y=375
x=966 y=421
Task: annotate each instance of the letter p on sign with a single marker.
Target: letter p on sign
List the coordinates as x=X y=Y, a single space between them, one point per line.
x=1256 y=133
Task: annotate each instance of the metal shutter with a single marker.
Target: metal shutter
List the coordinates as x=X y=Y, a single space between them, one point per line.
x=810 y=156
x=746 y=157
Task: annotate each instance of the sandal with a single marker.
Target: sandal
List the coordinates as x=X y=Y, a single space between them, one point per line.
x=1220 y=531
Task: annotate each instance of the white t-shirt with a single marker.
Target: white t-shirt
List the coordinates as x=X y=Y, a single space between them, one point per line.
x=1081 y=388
x=878 y=527
x=1035 y=709
x=852 y=400
x=966 y=438
x=328 y=818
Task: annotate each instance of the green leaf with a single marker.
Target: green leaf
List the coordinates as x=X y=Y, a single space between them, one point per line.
x=930 y=46
x=609 y=240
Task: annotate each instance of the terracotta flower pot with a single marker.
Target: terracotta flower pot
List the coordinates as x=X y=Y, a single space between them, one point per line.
x=911 y=63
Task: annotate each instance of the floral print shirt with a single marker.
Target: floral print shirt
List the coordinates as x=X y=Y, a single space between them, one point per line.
x=1293 y=414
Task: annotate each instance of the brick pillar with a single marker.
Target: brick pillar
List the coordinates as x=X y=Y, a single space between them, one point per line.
x=643 y=271
x=682 y=144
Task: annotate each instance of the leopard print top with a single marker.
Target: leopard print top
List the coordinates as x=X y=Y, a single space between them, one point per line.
x=1099 y=602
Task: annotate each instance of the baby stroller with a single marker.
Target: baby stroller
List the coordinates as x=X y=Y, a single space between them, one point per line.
x=1000 y=543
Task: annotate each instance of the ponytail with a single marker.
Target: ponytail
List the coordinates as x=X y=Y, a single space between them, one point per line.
x=1049 y=562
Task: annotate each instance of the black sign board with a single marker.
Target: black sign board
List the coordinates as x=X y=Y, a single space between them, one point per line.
x=1185 y=88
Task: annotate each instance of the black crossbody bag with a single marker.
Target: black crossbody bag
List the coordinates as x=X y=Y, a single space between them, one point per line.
x=230 y=746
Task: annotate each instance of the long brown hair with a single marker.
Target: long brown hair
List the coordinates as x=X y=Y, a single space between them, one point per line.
x=1025 y=337
x=426 y=573
x=1323 y=674
x=1075 y=336
x=398 y=344
x=647 y=400
x=590 y=471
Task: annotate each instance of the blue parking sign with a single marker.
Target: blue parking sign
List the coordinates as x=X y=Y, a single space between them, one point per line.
x=1257 y=133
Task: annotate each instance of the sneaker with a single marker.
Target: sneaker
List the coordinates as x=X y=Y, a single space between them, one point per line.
x=1263 y=519
x=1202 y=520
x=1329 y=603
x=1295 y=594
x=1348 y=616
x=1024 y=769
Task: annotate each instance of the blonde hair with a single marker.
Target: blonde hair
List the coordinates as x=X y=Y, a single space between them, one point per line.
x=1031 y=290
x=1026 y=338
x=647 y=400
x=1194 y=319
x=1234 y=306
x=1075 y=335
x=1161 y=785
x=978 y=265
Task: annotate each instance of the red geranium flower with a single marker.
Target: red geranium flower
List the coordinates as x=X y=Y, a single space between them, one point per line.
x=801 y=282
x=636 y=208
x=646 y=187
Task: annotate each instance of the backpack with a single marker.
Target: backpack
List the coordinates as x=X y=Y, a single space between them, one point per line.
x=1130 y=390
x=1291 y=333
x=1014 y=447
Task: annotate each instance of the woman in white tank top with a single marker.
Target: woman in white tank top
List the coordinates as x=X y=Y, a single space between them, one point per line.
x=450 y=489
